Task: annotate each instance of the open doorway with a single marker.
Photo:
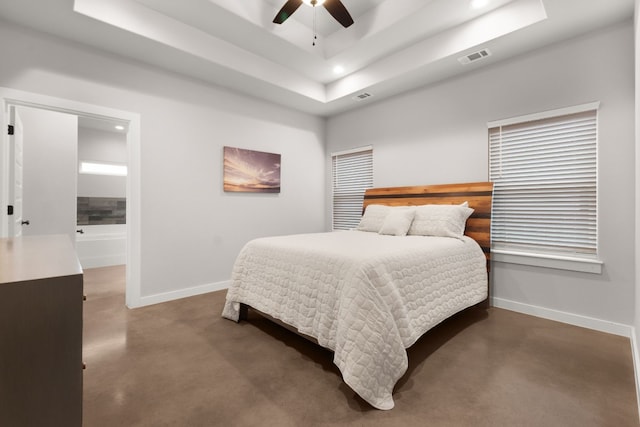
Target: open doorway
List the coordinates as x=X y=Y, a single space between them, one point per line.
x=11 y=98
x=101 y=235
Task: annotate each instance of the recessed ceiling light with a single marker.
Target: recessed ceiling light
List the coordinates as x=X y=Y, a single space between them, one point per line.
x=338 y=69
x=478 y=4
x=119 y=127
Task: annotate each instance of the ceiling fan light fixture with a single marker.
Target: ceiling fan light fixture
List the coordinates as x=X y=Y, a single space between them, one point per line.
x=317 y=3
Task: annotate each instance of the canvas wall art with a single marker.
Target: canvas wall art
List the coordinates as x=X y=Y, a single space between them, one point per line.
x=251 y=171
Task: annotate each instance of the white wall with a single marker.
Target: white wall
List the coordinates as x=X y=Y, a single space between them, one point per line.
x=439 y=134
x=191 y=230
x=101 y=146
x=50 y=172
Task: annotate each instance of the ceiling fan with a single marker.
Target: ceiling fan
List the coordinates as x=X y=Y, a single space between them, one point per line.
x=334 y=7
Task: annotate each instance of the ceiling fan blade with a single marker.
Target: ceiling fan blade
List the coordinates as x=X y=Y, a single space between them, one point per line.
x=338 y=11
x=287 y=10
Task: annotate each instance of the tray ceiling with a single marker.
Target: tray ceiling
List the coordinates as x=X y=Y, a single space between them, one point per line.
x=393 y=46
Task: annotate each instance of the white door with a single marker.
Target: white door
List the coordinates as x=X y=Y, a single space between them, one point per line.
x=16 y=173
x=50 y=172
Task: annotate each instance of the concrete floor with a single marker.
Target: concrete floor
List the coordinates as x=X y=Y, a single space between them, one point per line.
x=181 y=364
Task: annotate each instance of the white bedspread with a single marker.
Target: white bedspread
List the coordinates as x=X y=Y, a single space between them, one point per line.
x=363 y=295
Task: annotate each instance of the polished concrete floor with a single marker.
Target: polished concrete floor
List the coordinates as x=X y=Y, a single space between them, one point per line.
x=181 y=364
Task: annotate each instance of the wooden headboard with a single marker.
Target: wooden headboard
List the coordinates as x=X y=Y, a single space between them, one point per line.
x=478 y=194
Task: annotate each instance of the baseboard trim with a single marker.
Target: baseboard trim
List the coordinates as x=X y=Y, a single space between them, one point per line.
x=635 y=353
x=564 y=317
x=103 y=261
x=545 y=313
x=182 y=293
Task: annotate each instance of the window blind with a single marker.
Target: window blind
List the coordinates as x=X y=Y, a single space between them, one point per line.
x=352 y=174
x=545 y=185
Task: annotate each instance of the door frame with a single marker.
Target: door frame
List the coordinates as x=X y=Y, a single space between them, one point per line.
x=14 y=172
x=13 y=97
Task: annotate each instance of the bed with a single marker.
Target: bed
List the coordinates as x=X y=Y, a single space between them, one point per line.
x=419 y=255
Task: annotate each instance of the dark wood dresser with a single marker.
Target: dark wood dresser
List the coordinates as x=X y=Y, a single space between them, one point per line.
x=41 y=297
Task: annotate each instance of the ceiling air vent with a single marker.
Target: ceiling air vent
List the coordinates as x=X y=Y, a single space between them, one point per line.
x=475 y=56
x=361 y=96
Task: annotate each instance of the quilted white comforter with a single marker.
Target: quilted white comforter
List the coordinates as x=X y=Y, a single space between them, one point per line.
x=365 y=296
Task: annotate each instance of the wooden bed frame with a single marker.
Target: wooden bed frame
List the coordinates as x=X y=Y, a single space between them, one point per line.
x=479 y=195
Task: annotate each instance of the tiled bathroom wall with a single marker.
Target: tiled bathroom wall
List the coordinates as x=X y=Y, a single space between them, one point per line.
x=101 y=210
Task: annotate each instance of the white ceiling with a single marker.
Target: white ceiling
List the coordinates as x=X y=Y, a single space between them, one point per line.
x=393 y=46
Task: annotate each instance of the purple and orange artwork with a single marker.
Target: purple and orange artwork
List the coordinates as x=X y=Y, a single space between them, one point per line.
x=251 y=171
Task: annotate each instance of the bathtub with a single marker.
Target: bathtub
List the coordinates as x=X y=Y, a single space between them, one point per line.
x=101 y=245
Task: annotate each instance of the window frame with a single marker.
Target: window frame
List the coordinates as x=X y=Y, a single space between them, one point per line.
x=588 y=263
x=356 y=200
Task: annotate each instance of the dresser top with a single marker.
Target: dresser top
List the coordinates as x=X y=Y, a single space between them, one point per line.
x=37 y=257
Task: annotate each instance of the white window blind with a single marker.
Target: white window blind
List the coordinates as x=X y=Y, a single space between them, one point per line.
x=545 y=183
x=352 y=174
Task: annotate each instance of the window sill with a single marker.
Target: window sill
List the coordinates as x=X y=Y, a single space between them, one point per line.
x=549 y=261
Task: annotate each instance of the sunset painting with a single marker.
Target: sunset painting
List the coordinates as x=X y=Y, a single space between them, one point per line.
x=251 y=171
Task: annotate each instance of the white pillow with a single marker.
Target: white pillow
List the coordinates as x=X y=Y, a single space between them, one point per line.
x=397 y=222
x=373 y=218
x=440 y=220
